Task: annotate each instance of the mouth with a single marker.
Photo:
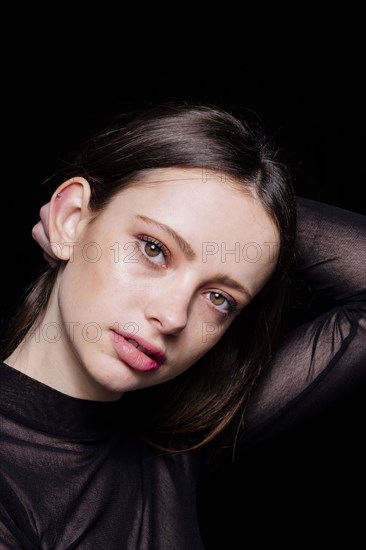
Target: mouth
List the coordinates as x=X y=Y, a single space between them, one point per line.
x=137 y=353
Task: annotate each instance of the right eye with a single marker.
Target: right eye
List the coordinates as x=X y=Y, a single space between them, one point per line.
x=153 y=250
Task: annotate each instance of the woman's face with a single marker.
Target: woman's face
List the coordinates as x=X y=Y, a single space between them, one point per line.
x=156 y=280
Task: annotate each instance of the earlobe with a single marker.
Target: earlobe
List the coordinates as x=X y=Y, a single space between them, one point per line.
x=69 y=212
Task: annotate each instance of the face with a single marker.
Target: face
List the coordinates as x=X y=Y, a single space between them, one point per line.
x=158 y=277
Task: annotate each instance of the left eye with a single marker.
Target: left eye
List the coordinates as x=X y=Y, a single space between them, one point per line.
x=220 y=301
x=217 y=299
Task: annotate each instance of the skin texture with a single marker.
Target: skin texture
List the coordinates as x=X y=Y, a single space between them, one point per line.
x=126 y=275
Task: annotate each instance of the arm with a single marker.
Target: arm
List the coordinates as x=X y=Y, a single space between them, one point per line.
x=323 y=357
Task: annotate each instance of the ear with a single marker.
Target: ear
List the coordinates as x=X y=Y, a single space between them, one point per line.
x=68 y=214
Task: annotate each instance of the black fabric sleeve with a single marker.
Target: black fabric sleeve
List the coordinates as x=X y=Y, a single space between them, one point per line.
x=322 y=356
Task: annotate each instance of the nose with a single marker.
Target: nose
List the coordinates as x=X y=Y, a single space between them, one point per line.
x=168 y=310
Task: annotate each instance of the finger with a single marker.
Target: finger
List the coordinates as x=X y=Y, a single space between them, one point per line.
x=39 y=235
x=44 y=215
x=50 y=259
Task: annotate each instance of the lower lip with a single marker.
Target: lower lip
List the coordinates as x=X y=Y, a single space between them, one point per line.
x=133 y=357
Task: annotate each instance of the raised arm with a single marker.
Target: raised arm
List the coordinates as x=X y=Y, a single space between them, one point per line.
x=324 y=355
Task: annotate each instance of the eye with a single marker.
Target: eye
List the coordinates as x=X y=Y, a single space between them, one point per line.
x=153 y=250
x=221 y=301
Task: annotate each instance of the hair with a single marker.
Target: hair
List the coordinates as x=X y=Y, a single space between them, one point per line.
x=201 y=403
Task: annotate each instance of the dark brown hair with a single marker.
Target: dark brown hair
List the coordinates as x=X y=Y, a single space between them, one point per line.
x=199 y=404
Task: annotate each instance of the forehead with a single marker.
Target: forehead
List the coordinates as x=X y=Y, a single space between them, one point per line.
x=202 y=177
x=199 y=198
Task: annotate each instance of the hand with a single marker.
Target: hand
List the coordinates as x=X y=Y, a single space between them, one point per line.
x=40 y=235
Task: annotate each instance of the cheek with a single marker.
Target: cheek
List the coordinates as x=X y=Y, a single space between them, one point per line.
x=196 y=350
x=201 y=337
x=97 y=291
x=81 y=285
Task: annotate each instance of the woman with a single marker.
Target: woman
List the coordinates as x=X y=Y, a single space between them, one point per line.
x=137 y=353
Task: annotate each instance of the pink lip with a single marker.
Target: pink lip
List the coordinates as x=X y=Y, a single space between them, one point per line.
x=151 y=358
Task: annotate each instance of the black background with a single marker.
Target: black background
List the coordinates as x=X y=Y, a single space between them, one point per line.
x=304 y=486
x=53 y=104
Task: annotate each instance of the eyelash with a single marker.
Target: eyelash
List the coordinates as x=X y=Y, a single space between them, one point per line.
x=162 y=248
x=232 y=304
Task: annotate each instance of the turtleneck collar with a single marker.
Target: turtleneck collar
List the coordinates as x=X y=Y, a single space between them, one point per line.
x=41 y=407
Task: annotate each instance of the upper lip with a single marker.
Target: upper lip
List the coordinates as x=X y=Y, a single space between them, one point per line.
x=153 y=351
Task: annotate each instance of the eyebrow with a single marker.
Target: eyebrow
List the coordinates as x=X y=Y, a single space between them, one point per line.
x=182 y=243
x=228 y=281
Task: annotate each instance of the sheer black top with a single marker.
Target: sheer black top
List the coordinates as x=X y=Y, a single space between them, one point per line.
x=71 y=477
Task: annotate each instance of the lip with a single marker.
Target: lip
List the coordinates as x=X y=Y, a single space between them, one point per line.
x=150 y=359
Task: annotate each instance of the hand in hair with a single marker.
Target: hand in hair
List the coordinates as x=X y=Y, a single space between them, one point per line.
x=40 y=233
